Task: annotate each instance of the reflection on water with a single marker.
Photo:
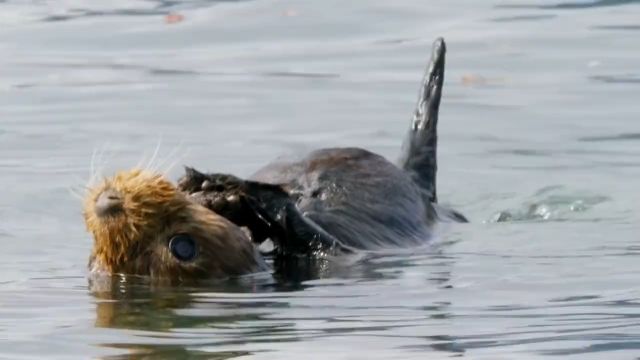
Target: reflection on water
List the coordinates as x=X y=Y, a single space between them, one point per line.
x=132 y=306
x=245 y=316
x=538 y=146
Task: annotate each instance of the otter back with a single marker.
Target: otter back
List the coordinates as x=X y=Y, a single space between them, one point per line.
x=358 y=196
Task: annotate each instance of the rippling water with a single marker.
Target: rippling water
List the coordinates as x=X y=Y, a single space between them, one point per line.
x=539 y=148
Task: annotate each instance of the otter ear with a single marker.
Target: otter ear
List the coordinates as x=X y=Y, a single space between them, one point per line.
x=191 y=173
x=192 y=180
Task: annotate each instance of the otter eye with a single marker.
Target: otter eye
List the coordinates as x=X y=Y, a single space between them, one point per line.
x=183 y=247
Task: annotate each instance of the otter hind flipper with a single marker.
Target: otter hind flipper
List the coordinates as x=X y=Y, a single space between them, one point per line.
x=420 y=147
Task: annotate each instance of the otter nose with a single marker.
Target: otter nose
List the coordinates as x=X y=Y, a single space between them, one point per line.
x=108 y=203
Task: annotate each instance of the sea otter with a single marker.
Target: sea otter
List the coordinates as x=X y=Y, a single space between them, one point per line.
x=331 y=201
x=349 y=198
x=142 y=225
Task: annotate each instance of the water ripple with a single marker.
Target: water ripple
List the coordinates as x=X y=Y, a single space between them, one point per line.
x=550 y=203
x=574 y=5
x=617 y=79
x=158 y=8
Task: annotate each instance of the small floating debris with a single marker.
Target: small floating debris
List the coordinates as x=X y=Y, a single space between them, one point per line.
x=471 y=79
x=479 y=80
x=173 y=18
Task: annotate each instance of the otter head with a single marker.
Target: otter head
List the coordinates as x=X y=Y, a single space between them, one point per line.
x=142 y=225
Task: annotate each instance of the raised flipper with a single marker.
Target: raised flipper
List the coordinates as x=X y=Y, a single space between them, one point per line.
x=419 y=150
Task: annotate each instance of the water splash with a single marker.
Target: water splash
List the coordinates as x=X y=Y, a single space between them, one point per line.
x=553 y=203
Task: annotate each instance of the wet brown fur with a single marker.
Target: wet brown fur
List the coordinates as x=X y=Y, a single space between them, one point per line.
x=135 y=240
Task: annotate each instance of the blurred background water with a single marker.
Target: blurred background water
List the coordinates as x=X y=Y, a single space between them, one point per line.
x=539 y=145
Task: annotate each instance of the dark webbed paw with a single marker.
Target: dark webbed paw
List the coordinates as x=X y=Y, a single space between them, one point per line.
x=220 y=193
x=194 y=181
x=227 y=196
x=266 y=210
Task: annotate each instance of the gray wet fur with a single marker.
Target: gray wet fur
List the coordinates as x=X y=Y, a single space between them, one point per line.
x=359 y=197
x=352 y=196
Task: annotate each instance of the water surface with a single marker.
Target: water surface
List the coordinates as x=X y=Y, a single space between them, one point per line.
x=539 y=147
